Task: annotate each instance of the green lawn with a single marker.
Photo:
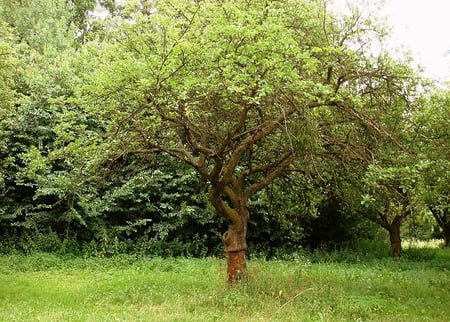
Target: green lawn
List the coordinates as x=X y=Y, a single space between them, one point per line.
x=45 y=287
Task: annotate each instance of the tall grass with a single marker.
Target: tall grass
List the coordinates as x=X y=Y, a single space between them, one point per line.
x=47 y=287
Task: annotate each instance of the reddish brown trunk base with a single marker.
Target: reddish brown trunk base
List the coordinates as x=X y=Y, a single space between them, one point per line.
x=236 y=266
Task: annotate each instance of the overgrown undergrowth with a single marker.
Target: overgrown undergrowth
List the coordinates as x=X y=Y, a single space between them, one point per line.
x=341 y=286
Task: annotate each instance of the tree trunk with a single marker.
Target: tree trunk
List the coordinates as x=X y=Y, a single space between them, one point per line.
x=236 y=266
x=443 y=221
x=235 y=244
x=394 y=236
x=235 y=238
x=446 y=231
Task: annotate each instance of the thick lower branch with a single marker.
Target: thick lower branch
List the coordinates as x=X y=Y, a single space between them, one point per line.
x=229 y=213
x=281 y=165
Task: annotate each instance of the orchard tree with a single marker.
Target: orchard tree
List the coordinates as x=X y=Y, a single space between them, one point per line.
x=430 y=140
x=404 y=184
x=391 y=197
x=238 y=90
x=435 y=193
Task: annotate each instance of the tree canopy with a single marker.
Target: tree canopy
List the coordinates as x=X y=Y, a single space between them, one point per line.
x=238 y=90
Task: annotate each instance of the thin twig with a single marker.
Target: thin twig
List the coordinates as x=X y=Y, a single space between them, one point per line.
x=293 y=298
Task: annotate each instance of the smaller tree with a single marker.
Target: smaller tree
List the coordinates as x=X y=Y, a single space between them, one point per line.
x=435 y=194
x=430 y=139
x=389 y=198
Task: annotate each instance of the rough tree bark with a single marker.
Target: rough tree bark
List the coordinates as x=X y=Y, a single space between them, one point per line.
x=235 y=244
x=235 y=238
x=394 y=236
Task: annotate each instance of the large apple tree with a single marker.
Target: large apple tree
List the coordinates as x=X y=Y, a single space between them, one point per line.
x=239 y=90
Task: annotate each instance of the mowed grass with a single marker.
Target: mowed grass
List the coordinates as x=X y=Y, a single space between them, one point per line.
x=46 y=287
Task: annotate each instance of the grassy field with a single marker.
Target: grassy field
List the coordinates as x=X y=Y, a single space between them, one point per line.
x=337 y=287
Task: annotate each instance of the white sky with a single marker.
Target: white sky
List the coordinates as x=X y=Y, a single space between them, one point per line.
x=423 y=26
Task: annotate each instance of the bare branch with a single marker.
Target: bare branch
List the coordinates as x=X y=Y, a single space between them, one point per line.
x=371 y=124
x=278 y=168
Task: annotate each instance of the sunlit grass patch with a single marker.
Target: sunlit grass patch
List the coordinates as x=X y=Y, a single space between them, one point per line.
x=420 y=244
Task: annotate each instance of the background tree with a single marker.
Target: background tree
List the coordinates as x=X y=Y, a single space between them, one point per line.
x=391 y=197
x=8 y=63
x=430 y=137
x=239 y=90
